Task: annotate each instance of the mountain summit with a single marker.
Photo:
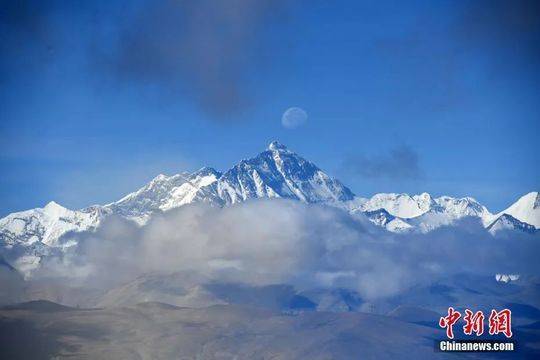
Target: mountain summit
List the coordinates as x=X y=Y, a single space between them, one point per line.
x=275 y=173
x=280 y=173
x=276 y=145
x=526 y=209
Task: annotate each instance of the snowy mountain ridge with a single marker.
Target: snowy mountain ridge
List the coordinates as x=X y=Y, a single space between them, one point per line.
x=406 y=206
x=526 y=209
x=507 y=222
x=276 y=172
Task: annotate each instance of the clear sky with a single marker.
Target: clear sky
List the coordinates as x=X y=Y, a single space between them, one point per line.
x=98 y=97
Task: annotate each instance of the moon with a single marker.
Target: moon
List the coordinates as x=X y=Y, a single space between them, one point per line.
x=294 y=117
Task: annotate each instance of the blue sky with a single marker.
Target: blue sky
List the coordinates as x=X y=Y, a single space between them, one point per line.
x=97 y=98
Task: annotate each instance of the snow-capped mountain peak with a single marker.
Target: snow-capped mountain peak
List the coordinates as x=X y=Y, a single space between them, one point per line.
x=139 y=205
x=460 y=207
x=400 y=205
x=199 y=186
x=45 y=224
x=277 y=172
x=526 y=209
x=509 y=223
x=53 y=208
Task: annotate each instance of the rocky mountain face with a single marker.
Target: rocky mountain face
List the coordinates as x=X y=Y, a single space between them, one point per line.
x=277 y=172
x=526 y=209
x=274 y=173
x=507 y=222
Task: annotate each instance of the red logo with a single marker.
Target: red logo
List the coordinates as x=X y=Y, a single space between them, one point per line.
x=500 y=322
x=449 y=321
x=473 y=323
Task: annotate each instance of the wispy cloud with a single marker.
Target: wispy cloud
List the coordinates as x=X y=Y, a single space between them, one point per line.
x=302 y=245
x=399 y=163
x=204 y=49
x=200 y=50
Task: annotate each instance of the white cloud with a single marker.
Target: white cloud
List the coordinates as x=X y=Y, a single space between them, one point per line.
x=277 y=241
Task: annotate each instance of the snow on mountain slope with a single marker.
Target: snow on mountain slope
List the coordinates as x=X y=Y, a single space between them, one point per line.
x=422 y=211
x=398 y=226
x=526 y=209
x=445 y=210
x=508 y=222
x=139 y=205
x=276 y=172
x=379 y=217
x=384 y=219
x=200 y=186
x=27 y=236
x=280 y=173
x=400 y=205
x=167 y=192
x=46 y=225
x=431 y=220
x=460 y=207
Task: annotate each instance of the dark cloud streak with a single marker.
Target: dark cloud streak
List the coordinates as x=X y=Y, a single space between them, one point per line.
x=205 y=49
x=400 y=163
x=503 y=22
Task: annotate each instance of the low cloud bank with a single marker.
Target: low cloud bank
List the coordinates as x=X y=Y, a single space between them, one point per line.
x=277 y=241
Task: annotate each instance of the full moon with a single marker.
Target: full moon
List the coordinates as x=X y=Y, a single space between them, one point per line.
x=294 y=117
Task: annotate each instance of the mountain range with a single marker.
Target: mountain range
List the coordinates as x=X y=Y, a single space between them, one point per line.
x=277 y=172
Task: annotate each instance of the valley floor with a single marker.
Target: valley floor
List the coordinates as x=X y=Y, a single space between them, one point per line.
x=45 y=330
